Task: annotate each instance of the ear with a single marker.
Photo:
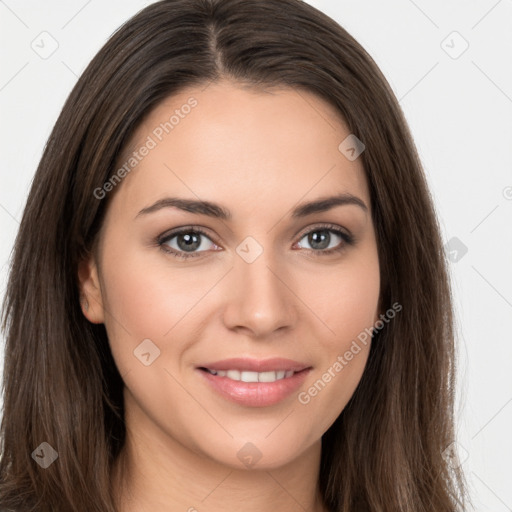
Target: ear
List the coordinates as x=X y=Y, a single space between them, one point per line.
x=90 y=291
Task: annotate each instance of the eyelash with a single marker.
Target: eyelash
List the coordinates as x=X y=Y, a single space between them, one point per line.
x=162 y=240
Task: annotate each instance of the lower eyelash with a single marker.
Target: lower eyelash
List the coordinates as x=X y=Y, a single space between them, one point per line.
x=347 y=240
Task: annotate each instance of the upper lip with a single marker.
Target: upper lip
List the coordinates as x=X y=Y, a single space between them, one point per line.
x=256 y=365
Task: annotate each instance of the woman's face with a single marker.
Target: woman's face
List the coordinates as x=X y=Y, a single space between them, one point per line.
x=276 y=271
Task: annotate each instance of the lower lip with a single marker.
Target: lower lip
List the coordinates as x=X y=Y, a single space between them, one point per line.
x=255 y=394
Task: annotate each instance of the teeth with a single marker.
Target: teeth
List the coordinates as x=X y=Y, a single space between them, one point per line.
x=233 y=374
x=267 y=377
x=249 y=376
x=246 y=376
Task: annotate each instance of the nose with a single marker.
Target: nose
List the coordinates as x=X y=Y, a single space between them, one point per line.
x=260 y=299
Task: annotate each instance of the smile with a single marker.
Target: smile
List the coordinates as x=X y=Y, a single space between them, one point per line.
x=254 y=382
x=247 y=376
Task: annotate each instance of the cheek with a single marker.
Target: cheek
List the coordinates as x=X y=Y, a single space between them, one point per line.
x=346 y=299
x=326 y=394
x=344 y=353
x=347 y=303
x=147 y=297
x=146 y=293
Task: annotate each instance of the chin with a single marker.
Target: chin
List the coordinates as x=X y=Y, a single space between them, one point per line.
x=258 y=453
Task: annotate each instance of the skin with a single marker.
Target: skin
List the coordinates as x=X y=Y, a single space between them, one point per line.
x=257 y=154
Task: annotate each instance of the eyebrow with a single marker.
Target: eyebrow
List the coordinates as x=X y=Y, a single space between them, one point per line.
x=217 y=211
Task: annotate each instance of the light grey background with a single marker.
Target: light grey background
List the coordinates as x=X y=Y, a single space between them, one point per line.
x=458 y=103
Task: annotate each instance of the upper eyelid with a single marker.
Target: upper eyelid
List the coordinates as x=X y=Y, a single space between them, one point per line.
x=168 y=235
x=327 y=226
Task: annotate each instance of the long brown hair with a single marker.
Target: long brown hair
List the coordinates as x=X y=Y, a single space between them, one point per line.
x=386 y=451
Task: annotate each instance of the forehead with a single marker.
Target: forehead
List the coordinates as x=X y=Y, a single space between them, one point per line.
x=232 y=144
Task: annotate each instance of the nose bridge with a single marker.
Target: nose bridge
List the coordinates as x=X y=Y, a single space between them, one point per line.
x=260 y=301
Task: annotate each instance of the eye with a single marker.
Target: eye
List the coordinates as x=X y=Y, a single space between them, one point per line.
x=325 y=240
x=186 y=242
x=190 y=242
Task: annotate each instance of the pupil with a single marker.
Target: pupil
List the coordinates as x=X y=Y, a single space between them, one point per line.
x=188 y=241
x=319 y=241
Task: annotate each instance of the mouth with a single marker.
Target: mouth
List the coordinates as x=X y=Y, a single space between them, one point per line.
x=255 y=383
x=246 y=376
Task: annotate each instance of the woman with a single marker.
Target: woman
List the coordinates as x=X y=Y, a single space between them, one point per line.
x=228 y=289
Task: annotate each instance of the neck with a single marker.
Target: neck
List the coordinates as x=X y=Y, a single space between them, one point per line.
x=154 y=472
